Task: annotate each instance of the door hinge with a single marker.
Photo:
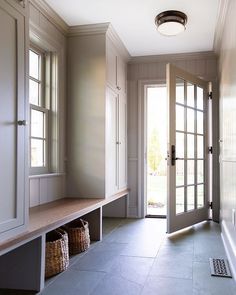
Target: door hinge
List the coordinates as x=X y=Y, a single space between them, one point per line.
x=211 y=205
x=210 y=150
x=210 y=95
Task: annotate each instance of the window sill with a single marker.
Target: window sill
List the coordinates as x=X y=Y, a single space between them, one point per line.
x=46 y=175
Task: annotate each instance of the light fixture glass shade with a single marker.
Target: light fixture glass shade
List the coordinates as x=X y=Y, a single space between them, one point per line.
x=171 y=28
x=171 y=22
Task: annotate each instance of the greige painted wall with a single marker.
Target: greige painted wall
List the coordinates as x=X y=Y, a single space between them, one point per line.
x=227 y=73
x=203 y=65
x=45 y=34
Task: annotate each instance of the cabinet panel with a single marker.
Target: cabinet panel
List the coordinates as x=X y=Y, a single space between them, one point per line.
x=12 y=135
x=122 y=142
x=111 y=65
x=111 y=142
x=121 y=74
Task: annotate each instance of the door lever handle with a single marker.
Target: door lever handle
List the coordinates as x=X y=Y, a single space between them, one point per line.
x=173 y=158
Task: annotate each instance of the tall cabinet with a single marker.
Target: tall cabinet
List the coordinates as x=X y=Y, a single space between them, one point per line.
x=97 y=116
x=13 y=130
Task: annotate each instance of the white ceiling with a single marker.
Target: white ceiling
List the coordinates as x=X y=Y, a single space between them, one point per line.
x=133 y=20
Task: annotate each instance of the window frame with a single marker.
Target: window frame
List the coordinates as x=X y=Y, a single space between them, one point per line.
x=43 y=106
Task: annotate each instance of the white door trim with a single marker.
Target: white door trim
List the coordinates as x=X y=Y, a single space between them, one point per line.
x=142 y=119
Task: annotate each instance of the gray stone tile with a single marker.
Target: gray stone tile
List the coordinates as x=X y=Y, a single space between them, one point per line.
x=116 y=285
x=167 y=286
x=134 y=269
x=110 y=224
x=173 y=263
x=143 y=248
x=104 y=246
x=205 y=284
x=94 y=261
x=73 y=282
x=206 y=247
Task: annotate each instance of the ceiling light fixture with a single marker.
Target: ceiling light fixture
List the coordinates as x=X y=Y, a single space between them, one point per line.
x=171 y=22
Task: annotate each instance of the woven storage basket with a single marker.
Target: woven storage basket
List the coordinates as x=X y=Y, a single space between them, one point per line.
x=78 y=234
x=57 y=252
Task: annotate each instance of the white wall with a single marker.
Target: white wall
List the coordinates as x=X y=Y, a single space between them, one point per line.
x=203 y=65
x=45 y=34
x=227 y=73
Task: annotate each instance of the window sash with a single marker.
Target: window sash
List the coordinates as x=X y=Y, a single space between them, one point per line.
x=45 y=139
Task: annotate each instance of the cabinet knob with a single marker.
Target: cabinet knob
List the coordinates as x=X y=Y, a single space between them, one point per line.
x=118 y=142
x=22 y=122
x=118 y=87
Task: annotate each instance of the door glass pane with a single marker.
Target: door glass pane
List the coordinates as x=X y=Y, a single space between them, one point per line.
x=200 y=147
x=200 y=171
x=37 y=152
x=37 y=123
x=179 y=200
x=200 y=195
x=179 y=118
x=190 y=197
x=180 y=90
x=199 y=98
x=33 y=92
x=34 y=64
x=190 y=120
x=200 y=122
x=190 y=172
x=179 y=145
x=190 y=95
x=190 y=146
x=179 y=172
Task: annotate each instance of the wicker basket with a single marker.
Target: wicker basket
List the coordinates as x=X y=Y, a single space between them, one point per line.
x=78 y=234
x=57 y=252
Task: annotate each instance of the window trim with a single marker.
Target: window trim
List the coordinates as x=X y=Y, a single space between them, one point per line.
x=43 y=103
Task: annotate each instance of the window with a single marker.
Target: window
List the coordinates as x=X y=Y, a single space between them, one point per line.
x=39 y=111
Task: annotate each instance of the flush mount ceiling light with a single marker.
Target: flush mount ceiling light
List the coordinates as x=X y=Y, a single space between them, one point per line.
x=171 y=22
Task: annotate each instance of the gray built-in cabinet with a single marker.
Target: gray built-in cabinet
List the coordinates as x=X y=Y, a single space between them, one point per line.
x=13 y=129
x=97 y=112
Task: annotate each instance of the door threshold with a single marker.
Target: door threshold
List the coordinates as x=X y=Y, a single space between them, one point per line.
x=155 y=216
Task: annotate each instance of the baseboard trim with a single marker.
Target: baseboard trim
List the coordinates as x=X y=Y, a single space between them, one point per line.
x=229 y=248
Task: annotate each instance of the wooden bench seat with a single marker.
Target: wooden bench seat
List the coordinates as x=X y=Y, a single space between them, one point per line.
x=22 y=259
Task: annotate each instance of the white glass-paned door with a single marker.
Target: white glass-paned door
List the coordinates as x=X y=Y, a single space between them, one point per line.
x=187 y=149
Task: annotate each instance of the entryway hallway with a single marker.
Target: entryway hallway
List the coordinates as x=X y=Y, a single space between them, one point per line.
x=137 y=257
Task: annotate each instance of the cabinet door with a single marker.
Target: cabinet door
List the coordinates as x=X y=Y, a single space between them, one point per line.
x=121 y=74
x=111 y=142
x=122 y=142
x=12 y=135
x=111 y=65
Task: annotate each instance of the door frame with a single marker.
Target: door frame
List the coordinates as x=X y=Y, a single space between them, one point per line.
x=142 y=143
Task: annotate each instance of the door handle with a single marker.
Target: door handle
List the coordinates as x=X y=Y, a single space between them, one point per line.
x=173 y=157
x=22 y=122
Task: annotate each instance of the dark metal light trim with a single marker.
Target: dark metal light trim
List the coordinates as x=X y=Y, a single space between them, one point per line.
x=171 y=16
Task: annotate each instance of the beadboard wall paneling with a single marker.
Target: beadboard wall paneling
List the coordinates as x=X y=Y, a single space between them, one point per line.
x=152 y=68
x=227 y=77
x=46 y=35
x=46 y=189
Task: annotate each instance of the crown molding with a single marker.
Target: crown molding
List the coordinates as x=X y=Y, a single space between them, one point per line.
x=114 y=37
x=51 y=15
x=222 y=11
x=173 y=57
x=101 y=28
x=91 y=29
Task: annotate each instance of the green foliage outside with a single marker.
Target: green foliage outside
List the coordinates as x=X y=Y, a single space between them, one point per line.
x=154 y=155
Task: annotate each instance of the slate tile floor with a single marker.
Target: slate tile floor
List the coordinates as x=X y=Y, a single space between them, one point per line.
x=137 y=257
